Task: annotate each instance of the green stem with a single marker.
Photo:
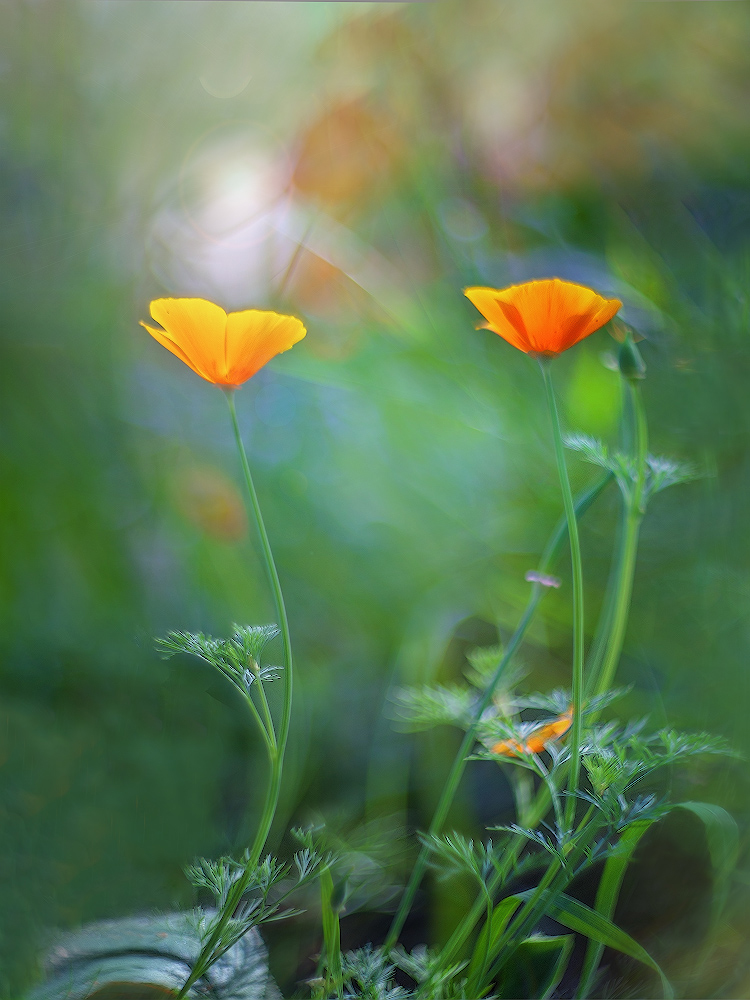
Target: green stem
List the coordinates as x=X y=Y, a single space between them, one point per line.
x=527 y=914
x=273 y=577
x=556 y=878
x=277 y=749
x=488 y=924
x=331 y=933
x=450 y=788
x=598 y=645
x=578 y=619
x=634 y=509
x=266 y=712
x=618 y=620
x=267 y=735
x=461 y=934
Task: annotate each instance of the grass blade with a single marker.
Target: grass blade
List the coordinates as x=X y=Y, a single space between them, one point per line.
x=606 y=898
x=537 y=966
x=581 y=918
x=487 y=944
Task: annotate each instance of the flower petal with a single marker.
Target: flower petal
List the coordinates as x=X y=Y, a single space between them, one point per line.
x=507 y=323
x=543 y=317
x=254 y=337
x=198 y=328
x=509 y=748
x=539 y=738
x=170 y=345
x=607 y=310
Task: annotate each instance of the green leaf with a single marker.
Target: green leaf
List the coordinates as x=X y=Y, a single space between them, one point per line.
x=537 y=966
x=238 y=657
x=418 y=708
x=486 y=947
x=581 y=918
x=607 y=895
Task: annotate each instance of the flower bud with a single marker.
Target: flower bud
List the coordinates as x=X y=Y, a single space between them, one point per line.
x=629 y=360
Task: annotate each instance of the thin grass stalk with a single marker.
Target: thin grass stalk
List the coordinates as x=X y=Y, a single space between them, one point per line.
x=266 y=711
x=277 y=746
x=578 y=610
x=634 y=508
x=555 y=879
x=463 y=930
x=273 y=577
x=549 y=557
x=598 y=647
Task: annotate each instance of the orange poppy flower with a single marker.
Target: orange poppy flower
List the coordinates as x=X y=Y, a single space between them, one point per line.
x=538 y=738
x=224 y=348
x=543 y=317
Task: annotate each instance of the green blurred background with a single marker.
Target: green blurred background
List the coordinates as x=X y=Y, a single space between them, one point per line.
x=357 y=164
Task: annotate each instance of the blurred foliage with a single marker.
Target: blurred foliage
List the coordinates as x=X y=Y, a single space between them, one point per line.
x=357 y=164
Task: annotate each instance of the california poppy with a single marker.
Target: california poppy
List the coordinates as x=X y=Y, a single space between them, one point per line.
x=538 y=738
x=543 y=317
x=224 y=348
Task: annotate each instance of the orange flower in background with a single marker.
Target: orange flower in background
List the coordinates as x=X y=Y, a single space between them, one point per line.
x=346 y=155
x=538 y=738
x=224 y=348
x=543 y=317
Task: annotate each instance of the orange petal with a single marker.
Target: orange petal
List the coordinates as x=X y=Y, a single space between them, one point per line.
x=550 y=731
x=543 y=317
x=164 y=340
x=509 y=748
x=487 y=301
x=253 y=338
x=198 y=328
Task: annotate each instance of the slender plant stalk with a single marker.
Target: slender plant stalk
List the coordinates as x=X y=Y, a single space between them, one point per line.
x=634 y=510
x=612 y=642
x=549 y=557
x=455 y=944
x=598 y=647
x=276 y=745
x=453 y=947
x=578 y=619
x=554 y=881
x=268 y=739
x=267 y=713
x=331 y=932
x=273 y=577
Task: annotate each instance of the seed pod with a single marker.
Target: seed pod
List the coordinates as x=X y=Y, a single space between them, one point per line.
x=630 y=362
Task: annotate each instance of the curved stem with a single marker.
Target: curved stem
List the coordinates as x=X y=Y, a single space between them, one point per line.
x=634 y=509
x=277 y=746
x=549 y=557
x=273 y=577
x=578 y=618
